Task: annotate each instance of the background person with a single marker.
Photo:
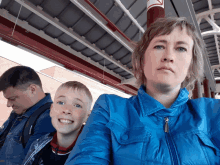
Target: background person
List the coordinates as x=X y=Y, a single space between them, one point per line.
x=160 y=125
x=22 y=88
x=69 y=111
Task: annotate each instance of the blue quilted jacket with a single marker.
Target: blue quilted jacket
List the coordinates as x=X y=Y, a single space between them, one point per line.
x=12 y=152
x=141 y=131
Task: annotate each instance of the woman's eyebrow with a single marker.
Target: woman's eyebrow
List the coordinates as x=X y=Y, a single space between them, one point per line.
x=163 y=41
x=182 y=42
x=178 y=42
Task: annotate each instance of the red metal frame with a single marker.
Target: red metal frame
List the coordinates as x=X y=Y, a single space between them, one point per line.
x=206 y=88
x=48 y=49
x=195 y=92
x=110 y=24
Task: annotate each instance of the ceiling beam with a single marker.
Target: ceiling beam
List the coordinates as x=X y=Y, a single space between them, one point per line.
x=212 y=23
x=55 y=22
x=90 y=10
x=45 y=48
x=206 y=13
x=215 y=27
x=199 y=20
x=212 y=52
x=4 y=13
x=215 y=67
x=211 y=32
x=129 y=15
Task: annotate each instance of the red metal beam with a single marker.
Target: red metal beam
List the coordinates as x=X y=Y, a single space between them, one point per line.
x=217 y=81
x=51 y=51
x=110 y=25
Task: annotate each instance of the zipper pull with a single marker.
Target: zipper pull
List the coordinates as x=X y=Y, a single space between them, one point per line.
x=56 y=151
x=166 y=128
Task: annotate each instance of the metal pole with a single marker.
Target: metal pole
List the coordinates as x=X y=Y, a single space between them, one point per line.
x=155 y=9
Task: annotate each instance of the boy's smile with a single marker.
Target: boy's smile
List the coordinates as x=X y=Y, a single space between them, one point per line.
x=65 y=121
x=69 y=110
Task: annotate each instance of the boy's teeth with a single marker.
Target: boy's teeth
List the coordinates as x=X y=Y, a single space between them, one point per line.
x=65 y=121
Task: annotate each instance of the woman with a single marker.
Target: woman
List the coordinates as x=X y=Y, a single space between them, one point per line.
x=160 y=125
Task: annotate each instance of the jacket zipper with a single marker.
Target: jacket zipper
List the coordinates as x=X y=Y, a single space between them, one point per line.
x=170 y=143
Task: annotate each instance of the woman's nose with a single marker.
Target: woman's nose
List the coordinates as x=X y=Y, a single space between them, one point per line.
x=168 y=55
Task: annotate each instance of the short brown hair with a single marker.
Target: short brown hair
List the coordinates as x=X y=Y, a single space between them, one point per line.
x=164 y=26
x=75 y=85
x=19 y=77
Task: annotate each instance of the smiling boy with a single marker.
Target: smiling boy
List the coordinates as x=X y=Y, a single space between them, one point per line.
x=69 y=111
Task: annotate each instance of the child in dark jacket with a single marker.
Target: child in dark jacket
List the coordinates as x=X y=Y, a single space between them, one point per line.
x=68 y=113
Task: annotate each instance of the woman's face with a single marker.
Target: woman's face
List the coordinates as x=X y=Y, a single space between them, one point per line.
x=168 y=57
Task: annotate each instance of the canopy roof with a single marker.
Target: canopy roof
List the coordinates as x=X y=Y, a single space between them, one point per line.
x=95 y=37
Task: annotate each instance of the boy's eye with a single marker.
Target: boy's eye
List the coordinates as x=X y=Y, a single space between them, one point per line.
x=60 y=103
x=159 y=47
x=181 y=49
x=78 y=106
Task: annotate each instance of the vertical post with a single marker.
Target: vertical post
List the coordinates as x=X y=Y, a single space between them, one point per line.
x=195 y=92
x=206 y=88
x=155 y=9
x=213 y=95
x=199 y=89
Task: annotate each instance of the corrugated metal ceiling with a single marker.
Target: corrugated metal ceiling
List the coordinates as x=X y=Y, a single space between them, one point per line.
x=68 y=25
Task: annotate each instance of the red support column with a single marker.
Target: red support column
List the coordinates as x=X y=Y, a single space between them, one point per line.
x=206 y=88
x=195 y=92
x=155 y=9
x=213 y=95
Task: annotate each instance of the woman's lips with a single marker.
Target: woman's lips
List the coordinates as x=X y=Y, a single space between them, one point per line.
x=166 y=68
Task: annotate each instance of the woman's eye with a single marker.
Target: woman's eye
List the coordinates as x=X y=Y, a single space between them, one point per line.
x=60 y=103
x=78 y=106
x=159 y=47
x=181 y=49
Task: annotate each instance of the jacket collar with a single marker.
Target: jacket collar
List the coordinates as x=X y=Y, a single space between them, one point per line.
x=61 y=150
x=150 y=106
x=43 y=101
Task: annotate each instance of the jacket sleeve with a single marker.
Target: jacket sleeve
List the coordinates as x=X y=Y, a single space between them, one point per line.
x=29 y=152
x=215 y=122
x=42 y=127
x=94 y=143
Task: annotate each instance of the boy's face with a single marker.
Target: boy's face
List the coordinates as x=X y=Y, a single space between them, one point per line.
x=69 y=110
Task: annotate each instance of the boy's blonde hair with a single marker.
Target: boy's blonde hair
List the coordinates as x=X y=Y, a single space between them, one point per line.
x=164 y=26
x=75 y=85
